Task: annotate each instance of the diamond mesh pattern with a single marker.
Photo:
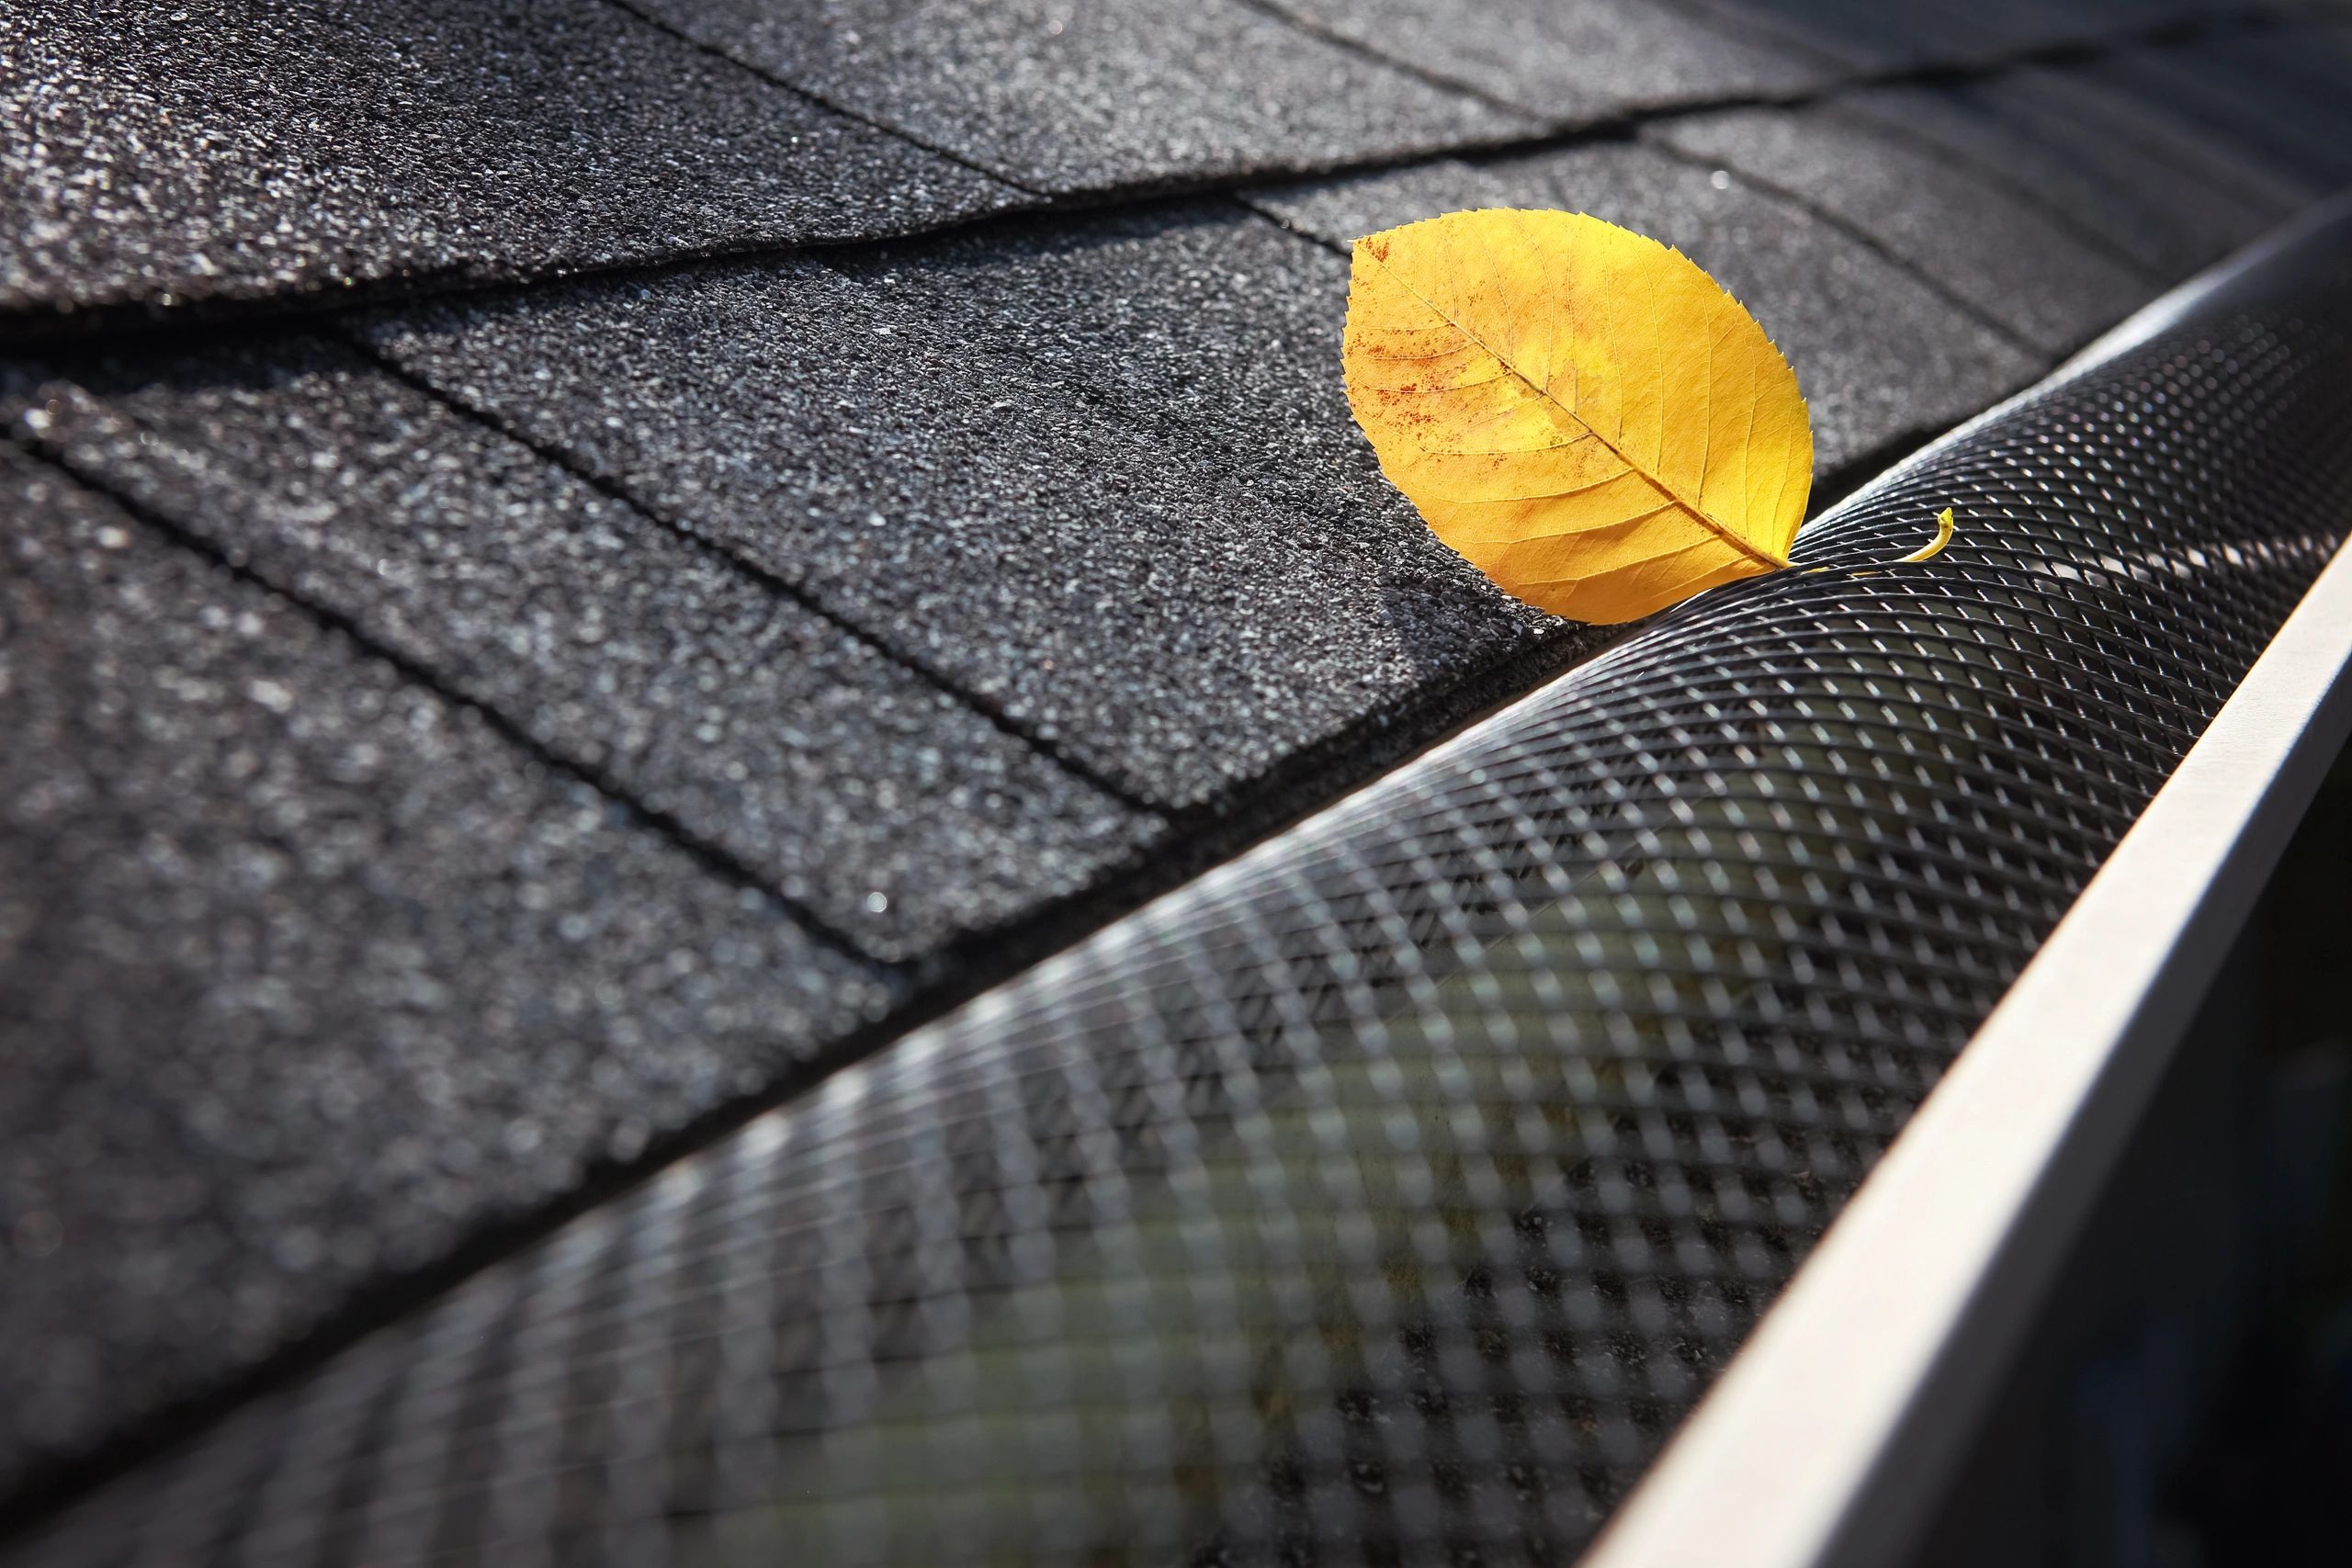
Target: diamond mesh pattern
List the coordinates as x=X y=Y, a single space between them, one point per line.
x=1390 y=1194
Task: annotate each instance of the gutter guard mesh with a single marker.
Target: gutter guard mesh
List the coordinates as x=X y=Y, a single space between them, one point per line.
x=1389 y=1195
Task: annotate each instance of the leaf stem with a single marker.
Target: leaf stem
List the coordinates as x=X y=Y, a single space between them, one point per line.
x=1930 y=551
x=1943 y=537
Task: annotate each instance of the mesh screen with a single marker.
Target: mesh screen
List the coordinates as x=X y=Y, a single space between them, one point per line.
x=1388 y=1195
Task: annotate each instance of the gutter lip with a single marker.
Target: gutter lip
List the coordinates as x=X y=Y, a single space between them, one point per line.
x=1845 y=1416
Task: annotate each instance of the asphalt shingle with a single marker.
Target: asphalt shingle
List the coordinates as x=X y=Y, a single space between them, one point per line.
x=1130 y=602
x=2007 y=261
x=232 y=151
x=306 y=974
x=1113 y=93
x=1879 y=356
x=1894 y=35
x=896 y=812
x=1219 y=333
x=1570 y=64
x=2107 y=189
x=2276 y=97
x=2200 y=160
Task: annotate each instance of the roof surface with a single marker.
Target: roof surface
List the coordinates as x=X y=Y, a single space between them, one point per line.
x=576 y=562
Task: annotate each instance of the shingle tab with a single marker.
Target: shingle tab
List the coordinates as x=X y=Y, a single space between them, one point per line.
x=1575 y=64
x=897 y=813
x=2276 y=97
x=230 y=152
x=1979 y=242
x=1340 y=211
x=2203 y=160
x=2106 y=188
x=1111 y=94
x=1130 y=602
x=306 y=974
x=1894 y=35
x=1878 y=356
x=1214 y=331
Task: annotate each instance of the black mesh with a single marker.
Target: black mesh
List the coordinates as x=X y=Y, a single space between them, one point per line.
x=1390 y=1194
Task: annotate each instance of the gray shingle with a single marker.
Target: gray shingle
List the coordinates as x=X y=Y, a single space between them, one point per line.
x=306 y=974
x=1340 y=211
x=2202 y=160
x=2105 y=188
x=1979 y=242
x=2276 y=97
x=1113 y=93
x=1878 y=356
x=1129 y=601
x=1219 y=334
x=254 y=148
x=1575 y=64
x=897 y=813
x=1890 y=35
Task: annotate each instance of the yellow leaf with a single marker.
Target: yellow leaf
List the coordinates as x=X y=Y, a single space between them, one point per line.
x=1579 y=411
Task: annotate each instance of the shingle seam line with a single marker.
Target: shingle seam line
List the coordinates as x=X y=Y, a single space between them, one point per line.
x=709 y=856
x=721 y=554
x=1242 y=200
x=831 y=105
